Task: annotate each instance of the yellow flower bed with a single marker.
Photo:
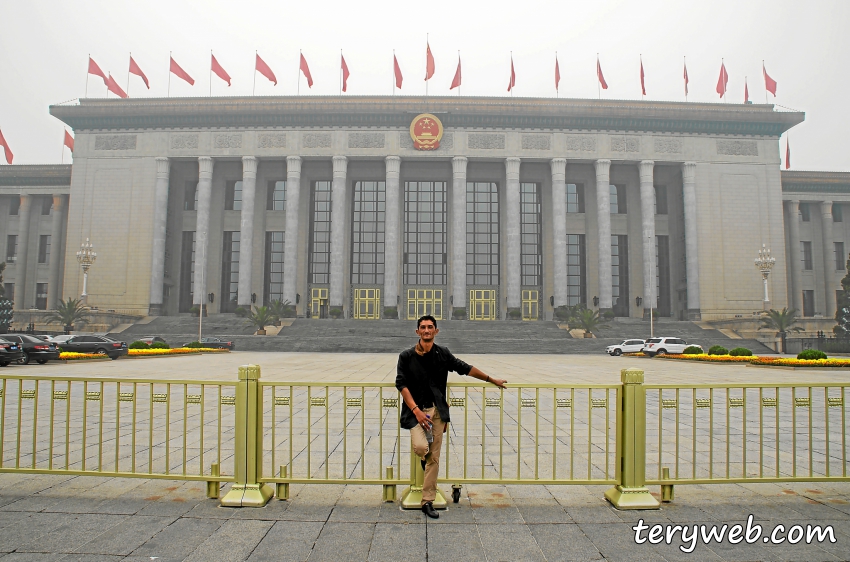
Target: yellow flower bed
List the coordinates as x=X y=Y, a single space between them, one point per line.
x=72 y=356
x=792 y=362
x=710 y=358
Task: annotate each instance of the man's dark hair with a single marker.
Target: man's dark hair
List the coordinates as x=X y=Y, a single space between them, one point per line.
x=426 y=317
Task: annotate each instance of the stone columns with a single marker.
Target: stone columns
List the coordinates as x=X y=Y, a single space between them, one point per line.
x=828 y=259
x=202 y=227
x=647 y=213
x=290 y=246
x=513 y=234
x=246 y=230
x=392 y=232
x=160 y=216
x=603 y=227
x=340 y=166
x=57 y=235
x=459 y=233
x=796 y=300
x=559 y=224
x=24 y=213
x=689 y=194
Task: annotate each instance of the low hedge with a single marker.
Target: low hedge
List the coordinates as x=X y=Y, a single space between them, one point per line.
x=718 y=350
x=810 y=354
x=740 y=352
x=692 y=350
x=139 y=345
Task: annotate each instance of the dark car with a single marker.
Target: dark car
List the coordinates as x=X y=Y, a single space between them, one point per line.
x=151 y=339
x=10 y=352
x=215 y=343
x=35 y=349
x=100 y=345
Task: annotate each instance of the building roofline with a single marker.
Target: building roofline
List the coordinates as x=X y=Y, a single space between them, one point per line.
x=804 y=181
x=35 y=174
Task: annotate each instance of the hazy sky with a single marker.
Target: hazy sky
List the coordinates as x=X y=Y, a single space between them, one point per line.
x=44 y=46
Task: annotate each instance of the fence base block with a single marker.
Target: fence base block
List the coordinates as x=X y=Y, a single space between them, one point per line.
x=411 y=498
x=247 y=495
x=631 y=498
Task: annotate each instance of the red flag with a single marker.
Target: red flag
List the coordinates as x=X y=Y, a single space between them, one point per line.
x=642 y=85
x=429 y=62
x=261 y=67
x=219 y=70
x=512 y=81
x=769 y=83
x=69 y=140
x=746 y=92
x=456 y=79
x=134 y=69
x=787 y=152
x=180 y=73
x=722 y=80
x=306 y=70
x=602 y=81
x=95 y=69
x=345 y=73
x=686 y=79
x=397 y=72
x=113 y=87
x=6 y=148
x=557 y=73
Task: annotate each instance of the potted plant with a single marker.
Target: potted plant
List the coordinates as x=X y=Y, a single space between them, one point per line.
x=335 y=313
x=391 y=312
x=782 y=322
x=281 y=309
x=459 y=314
x=69 y=313
x=515 y=314
x=589 y=321
x=259 y=318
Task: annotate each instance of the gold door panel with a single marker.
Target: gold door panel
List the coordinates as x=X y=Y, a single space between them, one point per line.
x=482 y=304
x=530 y=304
x=421 y=302
x=318 y=303
x=367 y=304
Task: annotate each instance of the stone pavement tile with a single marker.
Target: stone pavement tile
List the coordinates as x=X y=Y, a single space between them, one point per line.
x=455 y=514
x=211 y=508
x=178 y=540
x=162 y=501
x=600 y=513
x=75 y=505
x=391 y=512
x=631 y=516
x=677 y=511
x=343 y=541
x=615 y=541
x=11 y=518
x=497 y=514
x=124 y=538
x=287 y=541
x=30 y=557
x=272 y=511
x=353 y=514
x=395 y=541
x=542 y=510
x=234 y=540
x=741 y=551
x=91 y=558
x=529 y=492
x=509 y=542
x=75 y=531
x=454 y=542
x=730 y=511
x=841 y=531
x=28 y=528
x=564 y=542
x=817 y=509
x=307 y=512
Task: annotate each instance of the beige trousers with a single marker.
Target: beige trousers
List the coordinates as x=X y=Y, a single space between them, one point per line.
x=430 y=452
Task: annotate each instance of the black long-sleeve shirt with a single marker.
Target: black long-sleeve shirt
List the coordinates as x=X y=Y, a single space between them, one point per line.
x=425 y=376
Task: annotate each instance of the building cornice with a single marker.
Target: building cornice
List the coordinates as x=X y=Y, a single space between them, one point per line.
x=799 y=181
x=386 y=111
x=35 y=175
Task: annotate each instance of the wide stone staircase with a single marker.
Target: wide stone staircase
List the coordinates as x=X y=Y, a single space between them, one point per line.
x=391 y=336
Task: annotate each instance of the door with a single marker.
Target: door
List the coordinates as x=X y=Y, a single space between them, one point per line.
x=530 y=304
x=319 y=303
x=421 y=302
x=367 y=304
x=482 y=304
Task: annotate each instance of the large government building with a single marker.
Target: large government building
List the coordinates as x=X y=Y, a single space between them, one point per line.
x=476 y=208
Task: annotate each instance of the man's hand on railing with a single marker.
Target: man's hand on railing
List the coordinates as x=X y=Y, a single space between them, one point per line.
x=501 y=383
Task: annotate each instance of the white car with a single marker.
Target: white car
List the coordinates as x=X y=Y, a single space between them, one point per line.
x=660 y=346
x=626 y=346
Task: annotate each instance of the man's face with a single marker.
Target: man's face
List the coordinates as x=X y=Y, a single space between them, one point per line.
x=426 y=331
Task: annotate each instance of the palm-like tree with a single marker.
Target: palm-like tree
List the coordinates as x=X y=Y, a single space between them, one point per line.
x=780 y=321
x=589 y=320
x=280 y=309
x=69 y=312
x=259 y=318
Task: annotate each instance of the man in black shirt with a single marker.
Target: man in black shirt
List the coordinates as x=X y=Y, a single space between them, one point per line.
x=422 y=373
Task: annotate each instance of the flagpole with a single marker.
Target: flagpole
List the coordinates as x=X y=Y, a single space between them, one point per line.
x=723 y=66
x=511 y=78
x=340 y=73
x=557 y=94
x=63 y=144
x=298 y=89
x=87 y=78
x=128 y=76
x=168 y=95
x=686 y=84
x=211 y=56
x=254 y=90
x=427 y=46
x=394 y=59
x=642 y=96
x=763 y=73
x=598 y=86
x=458 y=65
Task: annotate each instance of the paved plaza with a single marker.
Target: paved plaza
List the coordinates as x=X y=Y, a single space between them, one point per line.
x=59 y=517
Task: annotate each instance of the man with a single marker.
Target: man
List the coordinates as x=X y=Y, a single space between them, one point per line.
x=421 y=379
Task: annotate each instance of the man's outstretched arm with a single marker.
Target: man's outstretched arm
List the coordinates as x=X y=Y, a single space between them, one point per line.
x=477 y=373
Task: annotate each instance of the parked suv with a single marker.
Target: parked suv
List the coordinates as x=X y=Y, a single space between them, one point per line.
x=660 y=346
x=627 y=346
x=10 y=352
x=34 y=348
x=95 y=344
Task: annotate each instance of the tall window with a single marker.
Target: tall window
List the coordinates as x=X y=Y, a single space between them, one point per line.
x=837 y=212
x=11 y=248
x=367 y=233
x=805 y=212
x=229 y=270
x=187 y=271
x=276 y=199
x=233 y=196
x=530 y=254
x=662 y=274
x=273 y=281
x=575 y=198
x=576 y=270
x=482 y=233
x=660 y=199
x=44 y=248
x=620 y=274
x=840 y=256
x=41 y=296
x=15 y=205
x=46 y=205
x=320 y=234
x=808 y=303
x=618 y=199
x=190 y=196
x=425 y=233
x=9 y=289
x=806 y=250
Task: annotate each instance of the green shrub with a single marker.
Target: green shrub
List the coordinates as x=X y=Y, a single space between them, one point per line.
x=335 y=312
x=139 y=345
x=740 y=352
x=194 y=344
x=159 y=345
x=195 y=311
x=811 y=354
x=515 y=313
x=459 y=314
x=718 y=350
x=608 y=314
x=240 y=312
x=692 y=350
x=391 y=312
x=563 y=313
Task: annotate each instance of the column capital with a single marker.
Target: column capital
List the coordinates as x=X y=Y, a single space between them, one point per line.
x=59 y=200
x=793 y=202
x=646 y=167
x=559 y=169
x=603 y=166
x=689 y=170
x=826 y=208
x=162 y=167
x=249 y=166
x=205 y=166
x=459 y=166
x=512 y=168
x=293 y=165
x=393 y=164
x=340 y=164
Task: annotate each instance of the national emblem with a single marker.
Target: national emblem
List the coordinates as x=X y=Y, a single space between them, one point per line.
x=426 y=132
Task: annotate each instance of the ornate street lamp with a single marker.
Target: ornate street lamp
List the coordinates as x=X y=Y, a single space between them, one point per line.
x=764 y=263
x=86 y=257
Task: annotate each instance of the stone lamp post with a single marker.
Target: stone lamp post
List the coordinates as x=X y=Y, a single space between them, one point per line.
x=764 y=263
x=86 y=257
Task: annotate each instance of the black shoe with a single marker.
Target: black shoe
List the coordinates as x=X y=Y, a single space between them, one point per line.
x=428 y=509
x=423 y=463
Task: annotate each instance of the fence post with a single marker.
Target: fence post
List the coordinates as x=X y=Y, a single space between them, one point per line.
x=411 y=497
x=248 y=443
x=631 y=492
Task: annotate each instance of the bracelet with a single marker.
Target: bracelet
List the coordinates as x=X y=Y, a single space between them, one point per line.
x=414 y=407
x=488 y=378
